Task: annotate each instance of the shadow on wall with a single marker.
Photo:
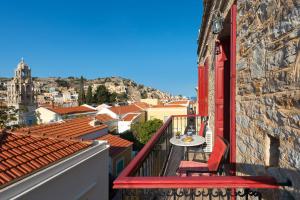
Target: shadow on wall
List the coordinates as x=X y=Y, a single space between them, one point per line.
x=288 y=177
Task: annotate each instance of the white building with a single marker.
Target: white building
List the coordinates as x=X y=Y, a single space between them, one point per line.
x=126 y=115
x=53 y=114
x=127 y=121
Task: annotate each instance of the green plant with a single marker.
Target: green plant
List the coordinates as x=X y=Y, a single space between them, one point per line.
x=144 y=131
x=128 y=135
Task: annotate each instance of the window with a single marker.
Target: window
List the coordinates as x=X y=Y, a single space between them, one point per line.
x=271 y=151
x=119 y=166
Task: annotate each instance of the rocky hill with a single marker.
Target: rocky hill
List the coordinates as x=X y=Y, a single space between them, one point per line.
x=120 y=85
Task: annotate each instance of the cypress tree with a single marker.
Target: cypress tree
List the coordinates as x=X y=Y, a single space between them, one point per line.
x=89 y=95
x=81 y=95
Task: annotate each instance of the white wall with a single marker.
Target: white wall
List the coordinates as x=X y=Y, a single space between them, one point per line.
x=83 y=176
x=112 y=125
x=46 y=116
x=123 y=126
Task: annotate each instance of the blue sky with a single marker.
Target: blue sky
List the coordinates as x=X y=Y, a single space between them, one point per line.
x=152 y=42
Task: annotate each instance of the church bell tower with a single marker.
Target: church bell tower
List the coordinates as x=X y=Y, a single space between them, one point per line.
x=20 y=93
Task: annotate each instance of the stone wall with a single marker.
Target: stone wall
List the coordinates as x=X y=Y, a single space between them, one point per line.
x=268 y=89
x=211 y=88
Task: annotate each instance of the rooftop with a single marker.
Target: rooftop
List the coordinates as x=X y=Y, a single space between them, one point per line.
x=72 y=110
x=130 y=117
x=180 y=102
x=169 y=106
x=104 y=118
x=117 y=144
x=72 y=128
x=142 y=105
x=121 y=110
x=23 y=155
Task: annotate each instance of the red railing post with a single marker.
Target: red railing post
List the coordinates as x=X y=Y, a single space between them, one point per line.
x=233 y=90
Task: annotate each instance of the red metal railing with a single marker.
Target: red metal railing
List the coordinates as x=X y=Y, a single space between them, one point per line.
x=131 y=177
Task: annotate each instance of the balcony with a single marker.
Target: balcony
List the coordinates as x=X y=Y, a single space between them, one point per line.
x=152 y=173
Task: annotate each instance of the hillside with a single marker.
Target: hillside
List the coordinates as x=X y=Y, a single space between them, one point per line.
x=120 y=85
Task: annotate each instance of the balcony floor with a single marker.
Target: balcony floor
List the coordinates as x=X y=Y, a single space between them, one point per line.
x=176 y=155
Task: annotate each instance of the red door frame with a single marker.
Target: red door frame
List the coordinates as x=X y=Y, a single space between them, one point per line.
x=233 y=89
x=203 y=89
x=206 y=84
x=219 y=90
x=201 y=92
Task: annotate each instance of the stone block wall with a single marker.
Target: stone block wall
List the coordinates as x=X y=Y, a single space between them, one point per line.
x=211 y=88
x=268 y=89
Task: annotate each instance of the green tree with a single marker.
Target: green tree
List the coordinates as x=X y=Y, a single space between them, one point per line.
x=112 y=97
x=81 y=95
x=144 y=131
x=62 y=83
x=144 y=95
x=101 y=95
x=128 y=135
x=122 y=97
x=89 y=95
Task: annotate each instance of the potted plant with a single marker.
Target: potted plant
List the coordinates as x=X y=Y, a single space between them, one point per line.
x=177 y=134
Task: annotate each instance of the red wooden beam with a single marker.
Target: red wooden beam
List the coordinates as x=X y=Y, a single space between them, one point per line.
x=266 y=182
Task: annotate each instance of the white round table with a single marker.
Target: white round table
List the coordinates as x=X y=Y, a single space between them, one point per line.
x=197 y=140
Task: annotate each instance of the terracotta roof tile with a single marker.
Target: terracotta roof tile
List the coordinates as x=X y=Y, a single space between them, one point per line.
x=117 y=144
x=104 y=118
x=73 y=128
x=71 y=110
x=25 y=154
x=181 y=102
x=130 y=117
x=142 y=105
x=121 y=110
x=169 y=106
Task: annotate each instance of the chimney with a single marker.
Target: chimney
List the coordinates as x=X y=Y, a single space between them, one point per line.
x=95 y=122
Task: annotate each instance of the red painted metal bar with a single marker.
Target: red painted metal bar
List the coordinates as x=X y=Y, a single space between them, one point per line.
x=233 y=90
x=265 y=182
